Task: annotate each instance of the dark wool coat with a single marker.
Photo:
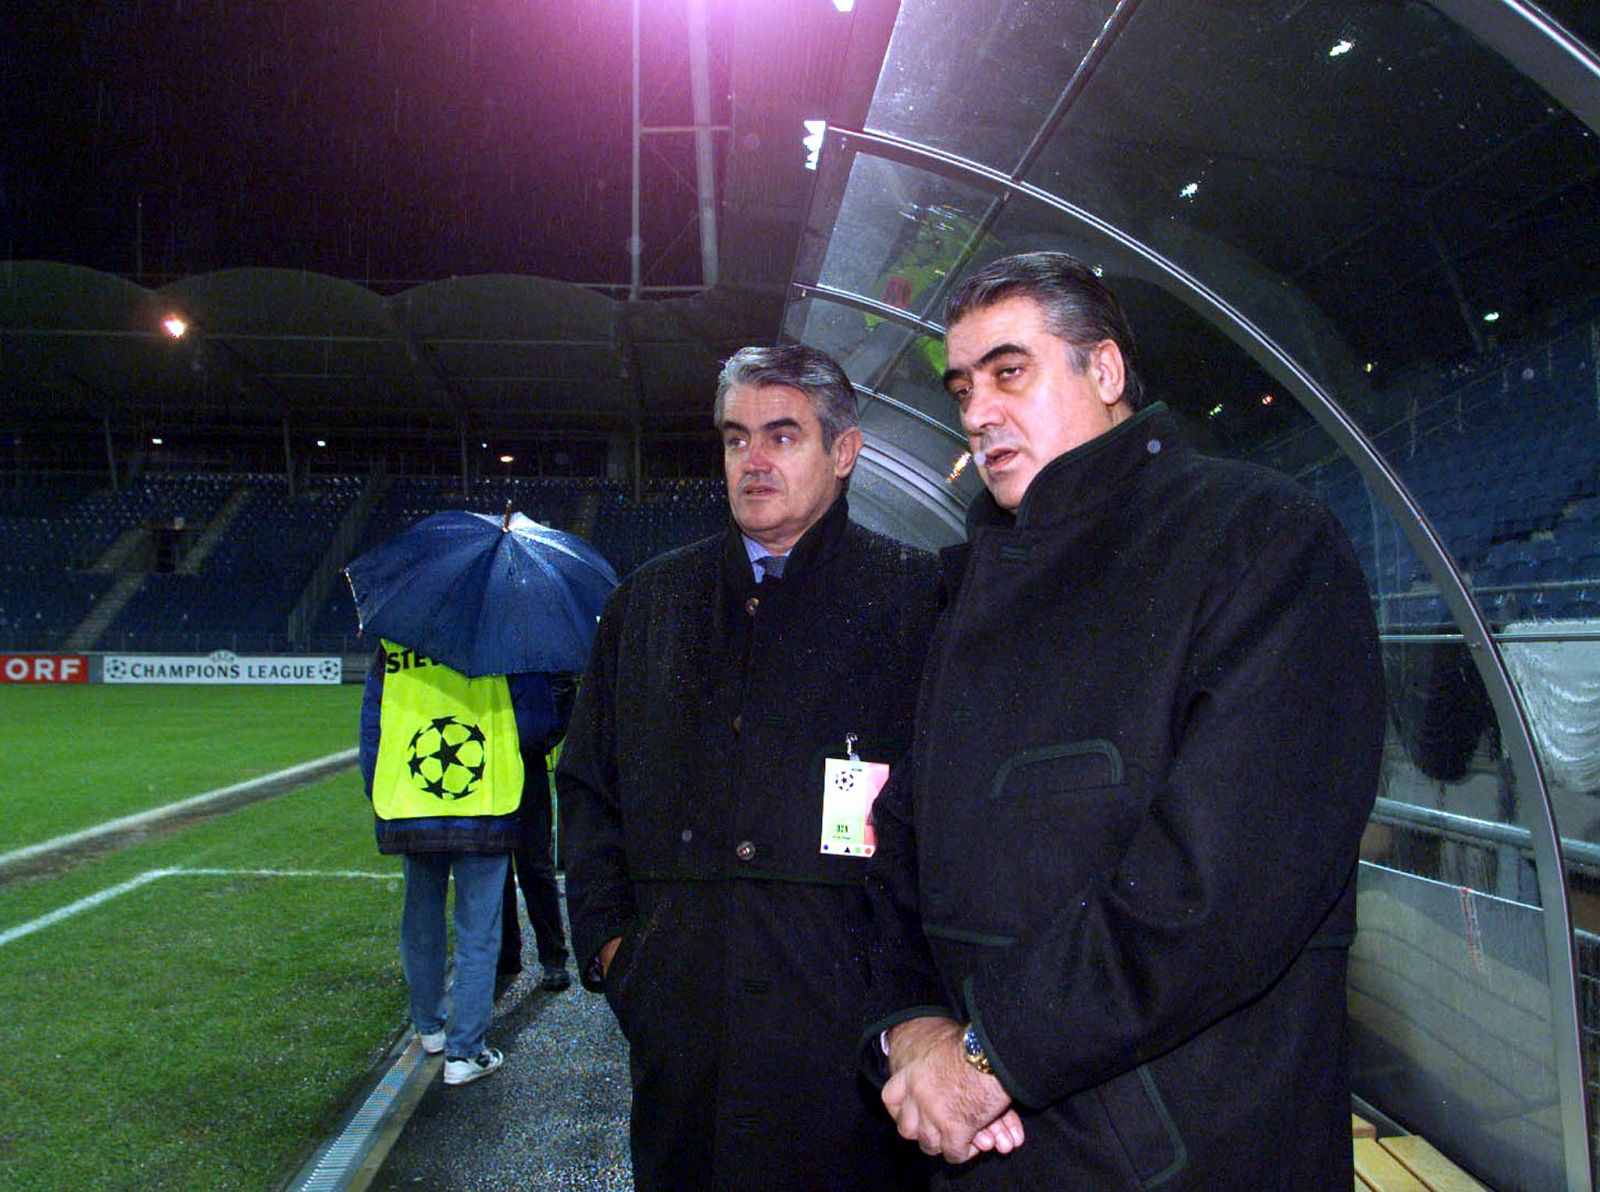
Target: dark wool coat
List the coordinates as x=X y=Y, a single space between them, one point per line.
x=691 y=799
x=1148 y=740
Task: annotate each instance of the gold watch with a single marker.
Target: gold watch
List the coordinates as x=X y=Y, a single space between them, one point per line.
x=972 y=1051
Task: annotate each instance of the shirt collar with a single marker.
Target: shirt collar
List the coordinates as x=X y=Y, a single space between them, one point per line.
x=754 y=550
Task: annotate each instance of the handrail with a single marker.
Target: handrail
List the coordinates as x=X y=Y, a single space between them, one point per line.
x=1473 y=830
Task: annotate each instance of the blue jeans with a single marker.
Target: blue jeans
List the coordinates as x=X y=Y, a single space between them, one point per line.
x=480 y=879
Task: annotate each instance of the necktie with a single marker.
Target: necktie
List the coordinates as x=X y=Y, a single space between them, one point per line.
x=772 y=565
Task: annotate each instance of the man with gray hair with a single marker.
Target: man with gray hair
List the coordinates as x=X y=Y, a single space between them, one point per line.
x=745 y=694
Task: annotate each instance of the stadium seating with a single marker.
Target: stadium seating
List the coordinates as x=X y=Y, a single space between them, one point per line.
x=241 y=597
x=672 y=513
x=1503 y=462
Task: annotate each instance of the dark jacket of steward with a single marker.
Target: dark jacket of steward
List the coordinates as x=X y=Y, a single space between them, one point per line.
x=1148 y=740
x=538 y=728
x=690 y=788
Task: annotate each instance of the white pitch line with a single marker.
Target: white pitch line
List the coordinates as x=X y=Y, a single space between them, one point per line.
x=83 y=904
x=150 y=875
x=145 y=818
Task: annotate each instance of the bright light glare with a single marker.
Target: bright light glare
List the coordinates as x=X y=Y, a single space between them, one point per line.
x=505 y=459
x=1214 y=410
x=844 y=5
x=1492 y=317
x=156 y=440
x=1369 y=366
x=175 y=326
x=1189 y=192
x=1343 y=46
x=813 y=141
x=1266 y=399
x=322 y=442
x=961 y=466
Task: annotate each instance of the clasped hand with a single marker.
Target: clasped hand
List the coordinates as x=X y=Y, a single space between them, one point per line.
x=939 y=1100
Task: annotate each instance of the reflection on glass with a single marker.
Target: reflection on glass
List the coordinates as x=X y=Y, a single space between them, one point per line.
x=1417 y=226
x=898 y=233
x=1406 y=202
x=976 y=77
x=915 y=377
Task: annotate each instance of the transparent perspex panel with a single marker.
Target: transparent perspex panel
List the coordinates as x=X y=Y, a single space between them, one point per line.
x=976 y=78
x=1417 y=226
x=914 y=417
x=898 y=234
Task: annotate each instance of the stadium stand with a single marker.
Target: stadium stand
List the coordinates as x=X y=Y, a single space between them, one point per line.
x=1504 y=463
x=1503 y=459
x=240 y=596
x=672 y=513
x=60 y=532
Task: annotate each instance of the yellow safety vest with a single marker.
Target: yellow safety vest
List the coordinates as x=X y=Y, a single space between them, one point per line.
x=447 y=744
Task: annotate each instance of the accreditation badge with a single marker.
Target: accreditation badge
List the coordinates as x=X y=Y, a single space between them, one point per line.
x=849 y=786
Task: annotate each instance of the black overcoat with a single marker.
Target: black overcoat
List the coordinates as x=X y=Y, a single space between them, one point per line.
x=690 y=789
x=1148 y=740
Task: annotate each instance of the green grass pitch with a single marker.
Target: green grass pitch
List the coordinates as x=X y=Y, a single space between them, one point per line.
x=81 y=754
x=195 y=1030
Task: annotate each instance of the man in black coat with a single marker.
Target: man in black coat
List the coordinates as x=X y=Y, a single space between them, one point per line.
x=725 y=675
x=1114 y=888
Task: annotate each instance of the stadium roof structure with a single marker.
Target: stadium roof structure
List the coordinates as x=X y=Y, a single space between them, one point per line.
x=83 y=351
x=498 y=354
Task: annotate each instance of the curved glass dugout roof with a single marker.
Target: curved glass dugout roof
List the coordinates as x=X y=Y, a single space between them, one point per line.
x=1359 y=242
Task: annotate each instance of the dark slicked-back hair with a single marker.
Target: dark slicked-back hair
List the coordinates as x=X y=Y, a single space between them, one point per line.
x=1077 y=306
x=814 y=373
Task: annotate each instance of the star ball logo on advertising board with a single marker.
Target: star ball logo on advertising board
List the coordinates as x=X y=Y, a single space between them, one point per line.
x=220 y=666
x=447 y=757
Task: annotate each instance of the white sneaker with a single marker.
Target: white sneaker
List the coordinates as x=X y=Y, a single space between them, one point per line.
x=433 y=1043
x=459 y=1071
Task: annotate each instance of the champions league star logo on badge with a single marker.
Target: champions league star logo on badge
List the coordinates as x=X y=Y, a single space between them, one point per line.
x=447 y=758
x=844 y=780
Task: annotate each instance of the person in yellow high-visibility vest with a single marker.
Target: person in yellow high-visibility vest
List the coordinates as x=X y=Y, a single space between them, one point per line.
x=445 y=759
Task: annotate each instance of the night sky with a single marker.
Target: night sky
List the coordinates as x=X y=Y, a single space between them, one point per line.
x=385 y=141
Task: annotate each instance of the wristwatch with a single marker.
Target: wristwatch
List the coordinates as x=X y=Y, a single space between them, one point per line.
x=972 y=1051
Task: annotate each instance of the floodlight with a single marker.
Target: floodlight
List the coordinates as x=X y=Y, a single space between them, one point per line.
x=175 y=325
x=1492 y=317
x=815 y=129
x=1343 y=46
x=156 y=440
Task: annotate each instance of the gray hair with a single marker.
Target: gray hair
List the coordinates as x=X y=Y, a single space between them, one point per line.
x=1078 y=307
x=814 y=373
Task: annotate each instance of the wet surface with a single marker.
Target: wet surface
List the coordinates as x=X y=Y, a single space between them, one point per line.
x=555 y=1116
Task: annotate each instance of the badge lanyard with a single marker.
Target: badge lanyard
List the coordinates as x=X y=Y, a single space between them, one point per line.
x=849 y=786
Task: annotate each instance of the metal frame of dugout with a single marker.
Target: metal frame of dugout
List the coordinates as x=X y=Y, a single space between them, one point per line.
x=1448 y=980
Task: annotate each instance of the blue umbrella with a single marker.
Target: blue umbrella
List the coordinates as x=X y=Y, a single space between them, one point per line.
x=484 y=595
